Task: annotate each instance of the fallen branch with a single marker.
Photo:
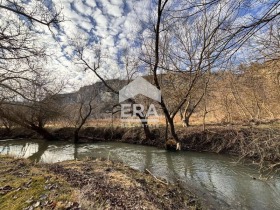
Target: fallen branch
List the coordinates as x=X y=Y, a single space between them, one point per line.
x=156 y=177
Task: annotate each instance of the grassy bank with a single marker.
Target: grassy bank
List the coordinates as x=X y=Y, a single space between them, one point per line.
x=88 y=184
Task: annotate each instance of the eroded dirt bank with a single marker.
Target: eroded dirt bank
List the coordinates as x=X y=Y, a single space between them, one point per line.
x=87 y=184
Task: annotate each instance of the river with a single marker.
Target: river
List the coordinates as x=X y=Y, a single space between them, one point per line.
x=217 y=179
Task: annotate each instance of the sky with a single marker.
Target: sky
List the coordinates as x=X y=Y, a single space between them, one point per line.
x=112 y=25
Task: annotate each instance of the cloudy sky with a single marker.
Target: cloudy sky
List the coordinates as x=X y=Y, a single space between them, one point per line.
x=113 y=24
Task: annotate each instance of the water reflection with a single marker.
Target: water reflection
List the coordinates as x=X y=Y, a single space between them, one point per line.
x=216 y=176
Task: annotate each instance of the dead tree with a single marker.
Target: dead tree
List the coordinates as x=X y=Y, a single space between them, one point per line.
x=86 y=104
x=193 y=39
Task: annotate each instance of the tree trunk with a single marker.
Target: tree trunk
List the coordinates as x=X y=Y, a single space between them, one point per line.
x=43 y=132
x=186 y=121
x=205 y=112
x=166 y=129
x=173 y=132
x=148 y=133
x=146 y=127
x=172 y=144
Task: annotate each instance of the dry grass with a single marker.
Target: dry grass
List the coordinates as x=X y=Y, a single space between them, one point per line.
x=261 y=145
x=31 y=186
x=88 y=184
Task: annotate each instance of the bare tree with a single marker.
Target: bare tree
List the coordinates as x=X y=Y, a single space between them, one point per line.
x=268 y=42
x=190 y=39
x=34 y=113
x=79 y=113
x=7 y=124
x=195 y=37
x=19 y=49
x=94 y=63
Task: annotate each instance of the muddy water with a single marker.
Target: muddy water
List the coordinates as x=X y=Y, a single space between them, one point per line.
x=216 y=178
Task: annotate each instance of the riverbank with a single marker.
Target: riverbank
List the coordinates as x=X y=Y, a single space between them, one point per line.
x=260 y=144
x=87 y=184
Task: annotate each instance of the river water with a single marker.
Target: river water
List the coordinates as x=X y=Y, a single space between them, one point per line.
x=217 y=179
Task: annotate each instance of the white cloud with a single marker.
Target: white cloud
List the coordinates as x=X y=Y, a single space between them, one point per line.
x=82 y=8
x=116 y=23
x=91 y=3
x=114 y=9
x=114 y=28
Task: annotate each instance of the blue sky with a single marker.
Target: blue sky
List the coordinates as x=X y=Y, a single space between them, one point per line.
x=114 y=24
